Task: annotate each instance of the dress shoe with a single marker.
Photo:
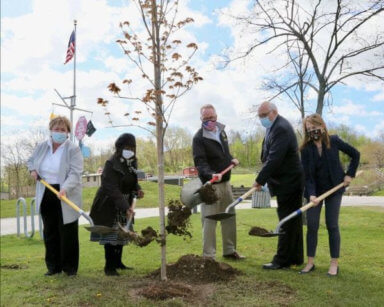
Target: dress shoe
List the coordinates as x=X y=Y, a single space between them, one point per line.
x=50 y=273
x=111 y=272
x=122 y=266
x=234 y=256
x=333 y=275
x=309 y=271
x=273 y=266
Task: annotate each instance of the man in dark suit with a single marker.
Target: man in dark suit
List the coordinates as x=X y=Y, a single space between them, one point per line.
x=283 y=172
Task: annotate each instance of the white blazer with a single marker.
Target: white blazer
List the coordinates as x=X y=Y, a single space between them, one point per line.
x=71 y=168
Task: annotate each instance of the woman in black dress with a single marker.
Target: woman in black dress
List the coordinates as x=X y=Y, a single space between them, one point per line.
x=112 y=203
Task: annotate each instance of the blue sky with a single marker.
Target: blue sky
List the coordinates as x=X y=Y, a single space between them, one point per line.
x=34 y=38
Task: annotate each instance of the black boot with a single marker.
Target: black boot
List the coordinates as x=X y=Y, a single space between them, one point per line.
x=110 y=268
x=119 y=254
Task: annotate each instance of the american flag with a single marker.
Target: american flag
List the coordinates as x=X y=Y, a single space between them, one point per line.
x=71 y=48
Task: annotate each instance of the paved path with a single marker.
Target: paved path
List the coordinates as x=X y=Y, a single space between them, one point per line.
x=9 y=225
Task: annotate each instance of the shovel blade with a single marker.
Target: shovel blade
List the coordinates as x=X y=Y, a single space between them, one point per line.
x=100 y=229
x=220 y=216
x=270 y=234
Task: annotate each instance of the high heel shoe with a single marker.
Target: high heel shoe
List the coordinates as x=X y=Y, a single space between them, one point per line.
x=333 y=275
x=306 y=272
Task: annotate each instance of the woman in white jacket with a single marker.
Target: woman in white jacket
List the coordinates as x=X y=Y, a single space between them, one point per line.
x=60 y=163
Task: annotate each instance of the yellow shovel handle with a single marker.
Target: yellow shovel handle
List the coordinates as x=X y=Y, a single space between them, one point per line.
x=64 y=198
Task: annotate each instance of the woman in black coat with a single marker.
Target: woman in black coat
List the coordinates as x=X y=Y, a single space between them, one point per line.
x=323 y=171
x=113 y=200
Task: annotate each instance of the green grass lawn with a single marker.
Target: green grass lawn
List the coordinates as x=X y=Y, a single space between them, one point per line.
x=360 y=282
x=378 y=193
x=246 y=180
x=8 y=207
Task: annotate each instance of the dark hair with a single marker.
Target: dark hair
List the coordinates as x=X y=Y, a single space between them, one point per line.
x=125 y=140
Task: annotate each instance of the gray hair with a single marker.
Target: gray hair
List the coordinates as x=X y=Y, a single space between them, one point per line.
x=207 y=106
x=272 y=107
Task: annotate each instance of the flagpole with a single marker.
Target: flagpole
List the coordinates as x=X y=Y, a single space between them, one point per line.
x=73 y=99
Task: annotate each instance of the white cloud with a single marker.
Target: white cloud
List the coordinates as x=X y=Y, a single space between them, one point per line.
x=33 y=51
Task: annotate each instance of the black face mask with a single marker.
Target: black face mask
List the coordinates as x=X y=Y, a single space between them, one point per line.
x=315 y=135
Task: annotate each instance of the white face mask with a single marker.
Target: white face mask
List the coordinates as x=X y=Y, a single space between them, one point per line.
x=127 y=154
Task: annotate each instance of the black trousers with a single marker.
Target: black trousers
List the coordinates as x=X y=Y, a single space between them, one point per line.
x=290 y=244
x=61 y=241
x=332 y=210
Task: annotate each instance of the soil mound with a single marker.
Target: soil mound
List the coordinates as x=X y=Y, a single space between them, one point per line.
x=196 y=269
x=166 y=290
x=258 y=231
x=178 y=219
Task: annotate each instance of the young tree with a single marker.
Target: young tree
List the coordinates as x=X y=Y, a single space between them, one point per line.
x=159 y=49
x=339 y=39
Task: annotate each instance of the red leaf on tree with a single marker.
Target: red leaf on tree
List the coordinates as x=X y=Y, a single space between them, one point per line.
x=114 y=88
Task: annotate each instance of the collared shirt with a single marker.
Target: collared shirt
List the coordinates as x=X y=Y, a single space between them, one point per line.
x=214 y=134
x=50 y=166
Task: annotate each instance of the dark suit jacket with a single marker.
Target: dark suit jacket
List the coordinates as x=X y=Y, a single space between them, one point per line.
x=210 y=156
x=282 y=169
x=336 y=172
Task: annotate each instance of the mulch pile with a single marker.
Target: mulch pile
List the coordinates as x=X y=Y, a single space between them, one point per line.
x=178 y=219
x=197 y=269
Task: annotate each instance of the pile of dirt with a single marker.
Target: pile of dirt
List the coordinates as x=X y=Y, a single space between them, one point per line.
x=178 y=219
x=13 y=266
x=166 y=290
x=197 y=269
x=258 y=231
x=148 y=235
x=208 y=194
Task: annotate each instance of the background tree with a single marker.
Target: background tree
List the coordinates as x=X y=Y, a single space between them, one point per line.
x=14 y=156
x=178 y=151
x=159 y=49
x=338 y=39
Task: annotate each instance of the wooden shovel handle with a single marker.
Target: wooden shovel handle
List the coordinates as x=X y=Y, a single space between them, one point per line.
x=326 y=194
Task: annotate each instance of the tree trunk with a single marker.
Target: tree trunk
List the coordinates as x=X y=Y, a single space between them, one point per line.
x=320 y=99
x=159 y=137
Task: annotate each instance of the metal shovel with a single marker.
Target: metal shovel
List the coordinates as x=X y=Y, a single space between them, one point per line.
x=206 y=190
x=124 y=230
x=277 y=231
x=226 y=214
x=93 y=228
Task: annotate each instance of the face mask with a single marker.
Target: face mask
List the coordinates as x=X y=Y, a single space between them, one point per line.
x=58 y=137
x=315 y=135
x=266 y=122
x=209 y=125
x=127 y=154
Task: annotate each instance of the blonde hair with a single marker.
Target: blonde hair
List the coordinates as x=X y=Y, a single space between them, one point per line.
x=60 y=121
x=316 y=120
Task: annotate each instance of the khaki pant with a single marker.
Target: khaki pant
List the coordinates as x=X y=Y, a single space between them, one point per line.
x=228 y=226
